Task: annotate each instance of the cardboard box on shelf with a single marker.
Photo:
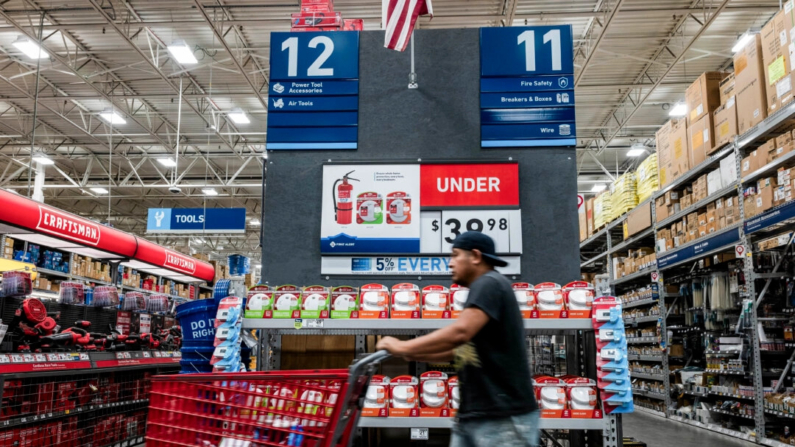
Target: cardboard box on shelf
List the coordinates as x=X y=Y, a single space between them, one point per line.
x=768 y=151
x=783 y=139
x=725 y=124
x=702 y=230
x=712 y=227
x=671 y=197
x=776 y=59
x=674 y=154
x=703 y=95
x=686 y=201
x=714 y=182
x=702 y=219
x=589 y=215
x=639 y=219
x=726 y=88
x=701 y=139
x=660 y=209
x=728 y=169
x=721 y=223
x=764 y=198
x=583 y=226
x=750 y=84
x=665 y=152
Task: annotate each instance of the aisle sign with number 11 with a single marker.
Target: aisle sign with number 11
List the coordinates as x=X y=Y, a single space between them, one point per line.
x=526 y=51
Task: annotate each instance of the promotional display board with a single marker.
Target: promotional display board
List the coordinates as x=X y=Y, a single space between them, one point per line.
x=192 y=220
x=527 y=87
x=313 y=101
x=370 y=209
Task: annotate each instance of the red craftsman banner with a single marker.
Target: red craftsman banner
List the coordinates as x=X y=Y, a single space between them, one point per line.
x=40 y=218
x=154 y=254
x=469 y=185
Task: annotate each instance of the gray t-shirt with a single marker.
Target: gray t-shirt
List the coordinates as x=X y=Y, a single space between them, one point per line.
x=493 y=370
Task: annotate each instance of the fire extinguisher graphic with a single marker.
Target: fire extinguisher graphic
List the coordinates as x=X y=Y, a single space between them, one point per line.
x=343 y=205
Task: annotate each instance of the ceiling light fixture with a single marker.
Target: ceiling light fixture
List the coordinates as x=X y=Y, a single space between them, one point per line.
x=99 y=190
x=679 y=110
x=743 y=41
x=167 y=162
x=255 y=222
x=599 y=187
x=259 y=266
x=210 y=192
x=43 y=159
x=637 y=150
x=182 y=52
x=238 y=116
x=112 y=117
x=30 y=48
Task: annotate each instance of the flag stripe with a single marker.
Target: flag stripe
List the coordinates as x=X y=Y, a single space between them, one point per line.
x=401 y=17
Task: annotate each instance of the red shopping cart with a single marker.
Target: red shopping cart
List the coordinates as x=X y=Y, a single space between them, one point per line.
x=307 y=408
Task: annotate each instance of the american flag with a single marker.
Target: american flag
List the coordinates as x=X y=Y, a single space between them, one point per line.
x=399 y=17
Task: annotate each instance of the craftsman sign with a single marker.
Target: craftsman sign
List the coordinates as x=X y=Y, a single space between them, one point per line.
x=180 y=262
x=68 y=226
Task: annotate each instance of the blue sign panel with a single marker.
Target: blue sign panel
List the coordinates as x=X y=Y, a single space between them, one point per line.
x=527 y=87
x=699 y=248
x=314 y=86
x=770 y=218
x=195 y=220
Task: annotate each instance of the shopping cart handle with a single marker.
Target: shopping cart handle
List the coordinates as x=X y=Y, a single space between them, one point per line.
x=375 y=357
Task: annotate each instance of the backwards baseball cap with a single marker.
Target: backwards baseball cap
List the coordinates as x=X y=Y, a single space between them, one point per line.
x=475 y=240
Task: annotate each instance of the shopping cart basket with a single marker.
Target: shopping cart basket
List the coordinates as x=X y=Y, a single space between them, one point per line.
x=307 y=408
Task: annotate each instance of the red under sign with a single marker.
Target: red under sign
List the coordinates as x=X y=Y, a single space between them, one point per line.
x=459 y=185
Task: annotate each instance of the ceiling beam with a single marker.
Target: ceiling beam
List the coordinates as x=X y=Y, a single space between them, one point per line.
x=596 y=44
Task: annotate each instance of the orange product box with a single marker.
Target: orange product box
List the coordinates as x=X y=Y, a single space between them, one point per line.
x=405 y=301
x=455 y=395
x=579 y=296
x=435 y=302
x=458 y=297
x=549 y=301
x=434 y=397
x=403 y=400
x=551 y=395
x=583 y=397
x=525 y=297
x=374 y=302
x=376 y=400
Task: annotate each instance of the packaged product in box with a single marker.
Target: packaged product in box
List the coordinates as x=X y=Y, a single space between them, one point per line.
x=398 y=205
x=434 y=400
x=749 y=87
x=603 y=210
x=582 y=397
x=369 y=207
x=551 y=396
x=701 y=139
x=344 y=302
x=314 y=302
x=624 y=196
x=405 y=301
x=376 y=399
x=647 y=177
x=374 y=301
x=703 y=96
x=726 y=87
x=777 y=59
x=725 y=124
x=663 y=139
x=455 y=395
x=764 y=198
x=403 y=400
x=459 y=295
x=525 y=297
x=287 y=302
x=435 y=302
x=579 y=296
x=549 y=301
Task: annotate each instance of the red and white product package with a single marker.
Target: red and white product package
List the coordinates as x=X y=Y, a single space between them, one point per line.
x=369 y=207
x=332 y=395
x=454 y=393
x=314 y=302
x=549 y=301
x=398 y=208
x=603 y=313
x=374 y=301
x=434 y=398
x=583 y=397
x=405 y=301
x=435 y=302
x=579 y=296
x=224 y=309
x=259 y=302
x=551 y=396
x=403 y=397
x=525 y=297
x=376 y=400
x=458 y=298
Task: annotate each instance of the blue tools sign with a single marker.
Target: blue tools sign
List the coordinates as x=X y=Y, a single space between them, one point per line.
x=196 y=220
x=701 y=247
x=313 y=98
x=527 y=87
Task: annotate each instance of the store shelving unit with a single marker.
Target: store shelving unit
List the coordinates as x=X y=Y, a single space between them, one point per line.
x=576 y=329
x=744 y=235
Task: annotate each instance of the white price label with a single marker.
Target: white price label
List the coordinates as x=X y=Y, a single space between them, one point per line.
x=430 y=232
x=419 y=434
x=314 y=323
x=503 y=226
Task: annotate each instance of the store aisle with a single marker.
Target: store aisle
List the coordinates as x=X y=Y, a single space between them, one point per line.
x=658 y=432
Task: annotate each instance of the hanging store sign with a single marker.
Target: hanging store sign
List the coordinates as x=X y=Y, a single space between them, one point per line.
x=313 y=98
x=527 y=87
x=195 y=220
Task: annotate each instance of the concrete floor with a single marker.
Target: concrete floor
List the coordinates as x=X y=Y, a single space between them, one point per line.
x=658 y=432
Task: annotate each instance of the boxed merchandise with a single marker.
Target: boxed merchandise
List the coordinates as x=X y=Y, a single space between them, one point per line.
x=701 y=139
x=287 y=302
x=455 y=395
x=314 y=302
x=435 y=302
x=680 y=151
x=259 y=302
x=344 y=302
x=376 y=399
x=663 y=139
x=725 y=125
x=726 y=88
x=638 y=220
x=579 y=296
x=624 y=196
x=374 y=301
x=750 y=90
x=403 y=400
x=405 y=301
x=660 y=209
x=603 y=210
x=583 y=223
x=458 y=299
x=525 y=297
x=776 y=57
x=550 y=395
x=714 y=182
x=549 y=300
x=647 y=177
x=589 y=215
x=728 y=169
x=764 y=197
x=434 y=398
x=582 y=397
x=703 y=96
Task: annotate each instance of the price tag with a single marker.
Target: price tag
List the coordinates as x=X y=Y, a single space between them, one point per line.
x=419 y=434
x=314 y=324
x=503 y=226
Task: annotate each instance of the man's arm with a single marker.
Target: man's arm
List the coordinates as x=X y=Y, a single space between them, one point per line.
x=432 y=358
x=441 y=341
